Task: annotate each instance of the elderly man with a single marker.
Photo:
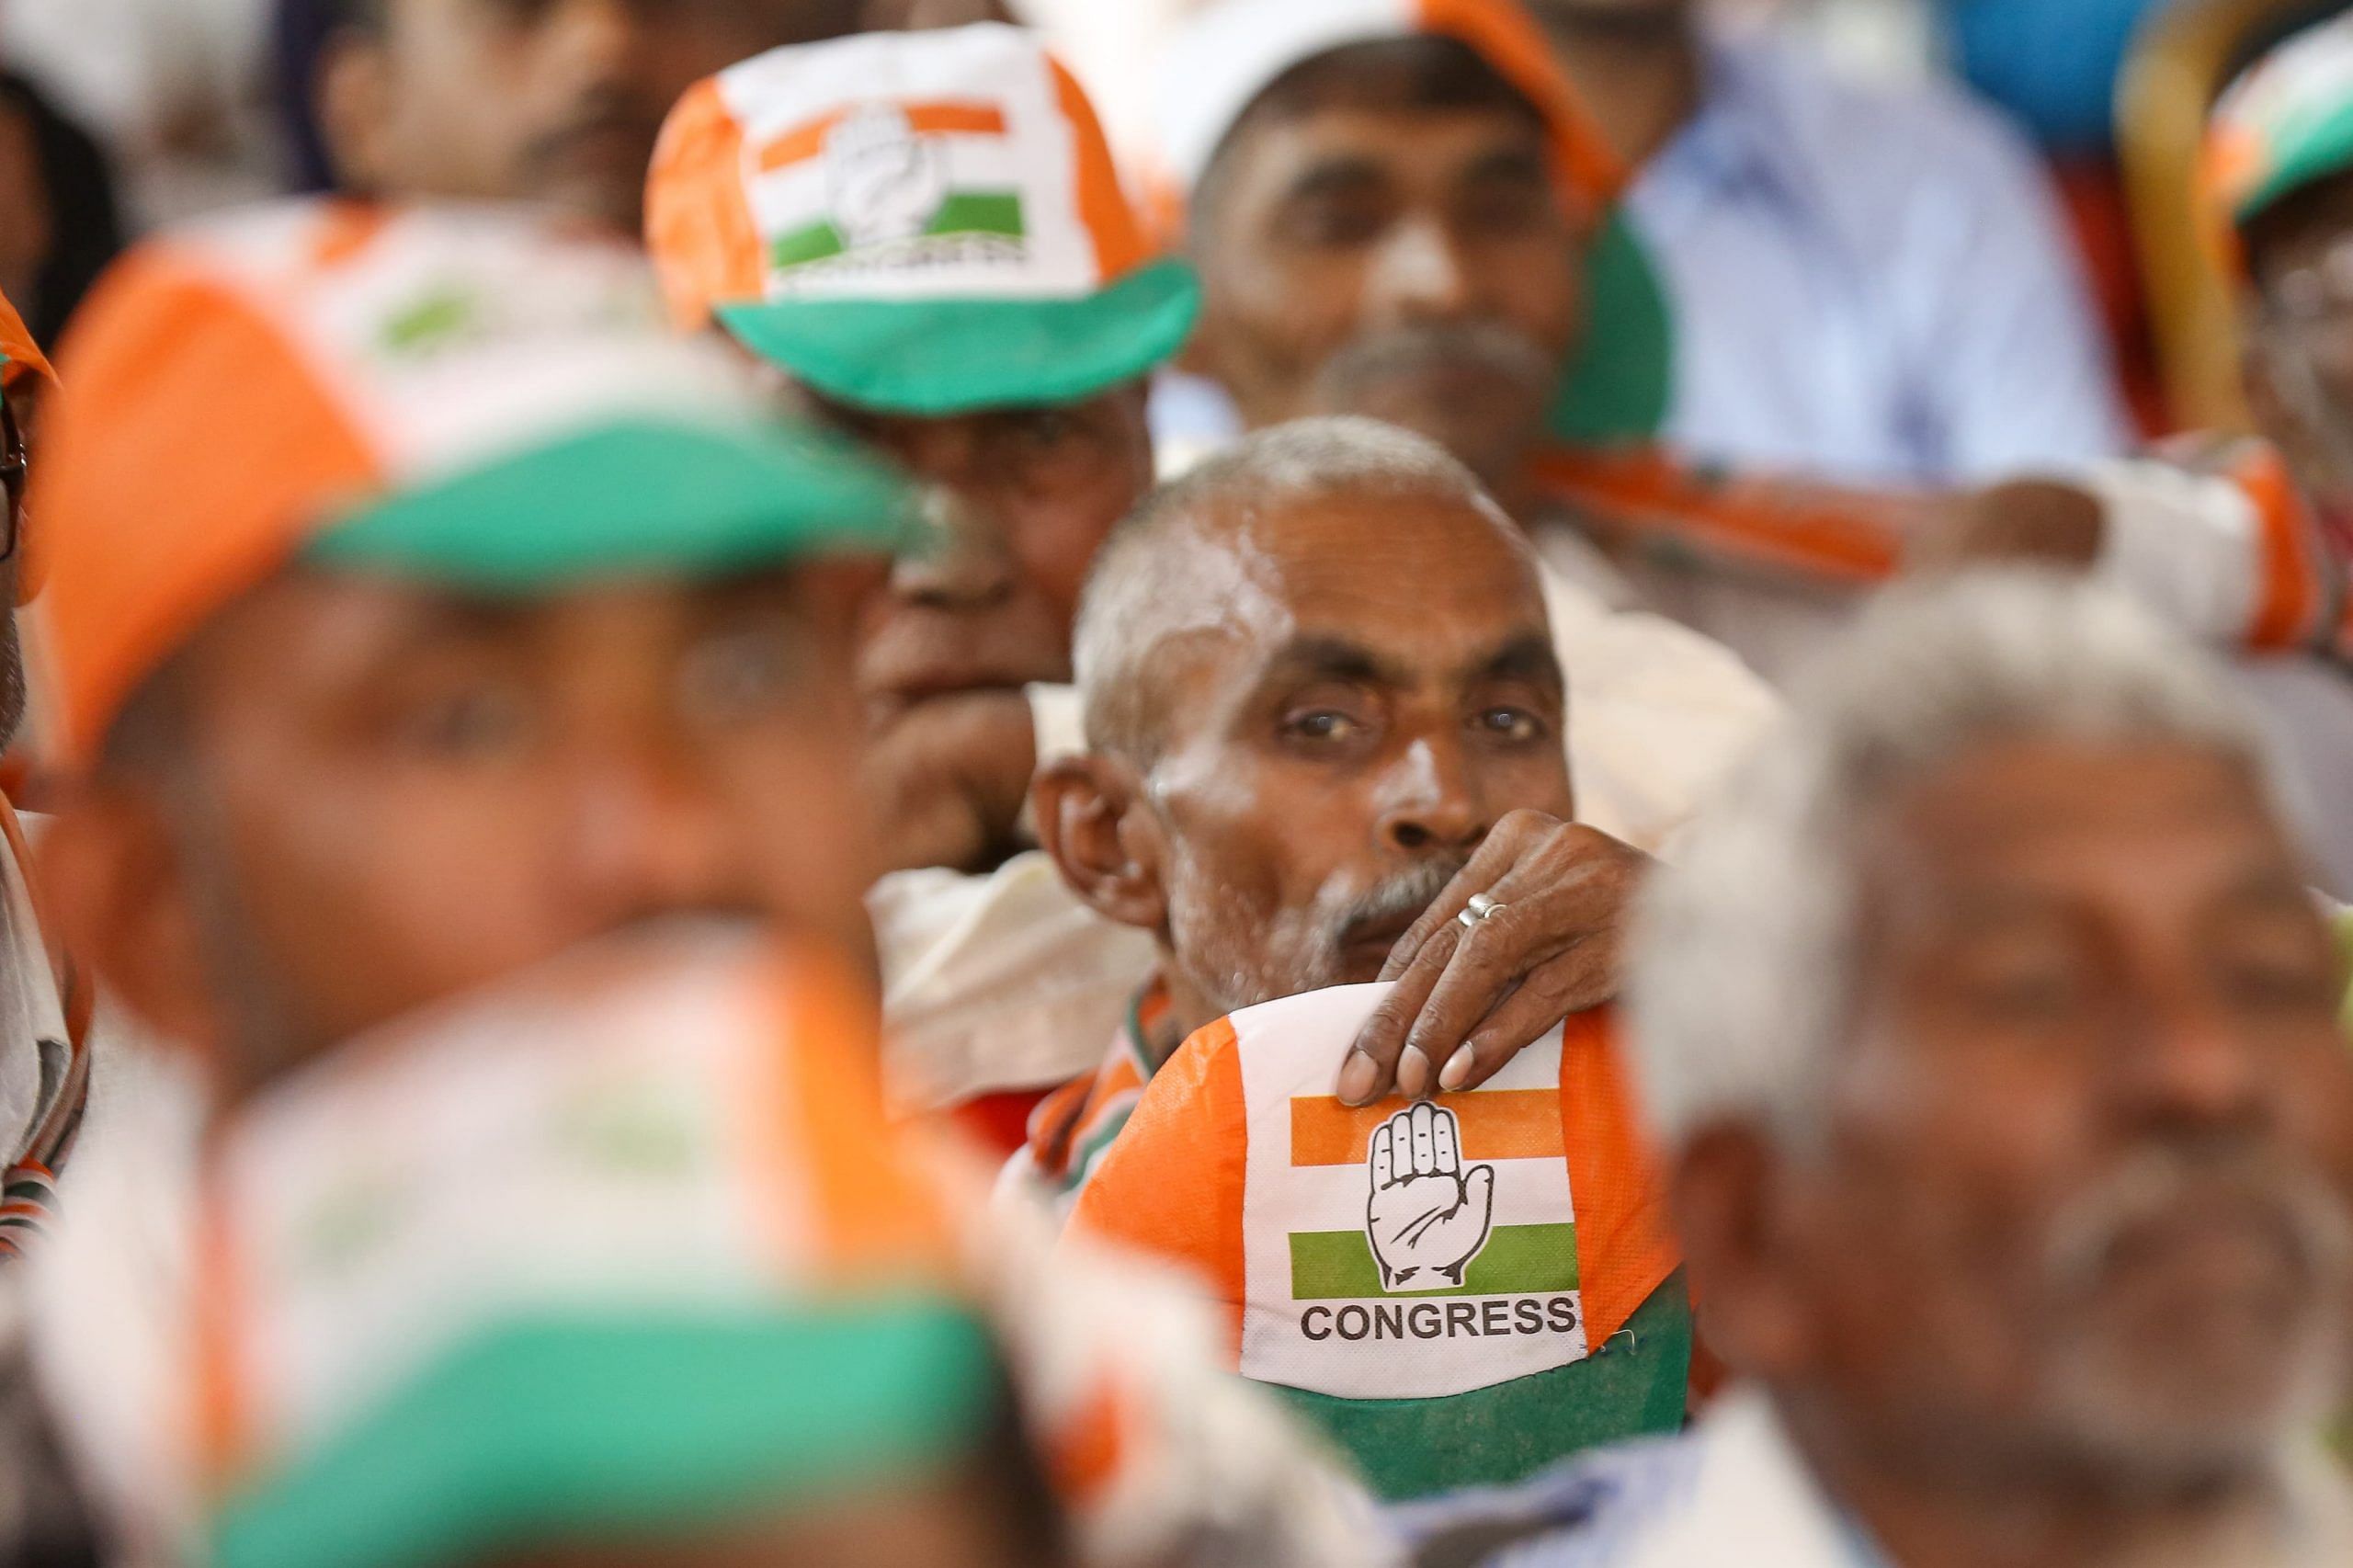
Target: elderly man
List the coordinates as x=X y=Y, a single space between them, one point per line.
x=556 y=101
x=925 y=234
x=1324 y=709
x=1990 y=1034
x=1401 y=211
x=477 y=617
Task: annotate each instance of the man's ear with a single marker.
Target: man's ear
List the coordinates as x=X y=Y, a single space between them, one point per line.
x=354 y=84
x=1727 y=1187
x=112 y=875
x=1092 y=822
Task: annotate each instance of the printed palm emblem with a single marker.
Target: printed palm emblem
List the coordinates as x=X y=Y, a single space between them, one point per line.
x=885 y=182
x=1428 y=1217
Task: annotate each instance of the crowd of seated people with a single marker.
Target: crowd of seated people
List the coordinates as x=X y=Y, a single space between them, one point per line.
x=1469 y=809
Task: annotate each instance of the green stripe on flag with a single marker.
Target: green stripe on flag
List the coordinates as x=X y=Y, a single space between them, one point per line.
x=979 y=213
x=1519 y=1260
x=818 y=241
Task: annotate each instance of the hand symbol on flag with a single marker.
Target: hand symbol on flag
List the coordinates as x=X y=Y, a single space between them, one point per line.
x=1428 y=1217
x=886 y=183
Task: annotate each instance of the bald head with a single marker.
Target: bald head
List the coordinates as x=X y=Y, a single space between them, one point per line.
x=1317 y=672
x=1197 y=564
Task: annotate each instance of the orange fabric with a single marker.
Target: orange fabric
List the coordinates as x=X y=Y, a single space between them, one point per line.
x=1814 y=531
x=348 y=230
x=699 y=225
x=1179 y=1134
x=1000 y=1122
x=1087 y=1450
x=1120 y=244
x=2290 y=596
x=872 y=1215
x=1625 y=1249
x=220 y=1428
x=164 y=358
x=1512 y=41
x=1502 y=1124
x=25 y=357
x=804 y=143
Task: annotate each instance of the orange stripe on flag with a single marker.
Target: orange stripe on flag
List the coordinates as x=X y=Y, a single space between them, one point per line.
x=1496 y=1124
x=1111 y=222
x=804 y=143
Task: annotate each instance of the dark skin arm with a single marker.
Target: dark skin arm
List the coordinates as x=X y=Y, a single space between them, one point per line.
x=1468 y=999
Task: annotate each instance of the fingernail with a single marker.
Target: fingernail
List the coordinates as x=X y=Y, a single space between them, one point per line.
x=1356 y=1078
x=1413 y=1072
x=1457 y=1071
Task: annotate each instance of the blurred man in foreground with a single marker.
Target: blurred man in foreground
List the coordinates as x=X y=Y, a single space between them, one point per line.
x=556 y=101
x=1990 y=1034
x=925 y=233
x=476 y=618
x=588 y=1303
x=1325 y=713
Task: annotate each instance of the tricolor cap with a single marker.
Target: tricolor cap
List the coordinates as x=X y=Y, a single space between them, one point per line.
x=619 y=1247
x=468 y=396
x=1224 y=59
x=913 y=222
x=2286 y=124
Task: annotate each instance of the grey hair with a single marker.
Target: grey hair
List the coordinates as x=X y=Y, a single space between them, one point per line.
x=1743 y=978
x=1141 y=591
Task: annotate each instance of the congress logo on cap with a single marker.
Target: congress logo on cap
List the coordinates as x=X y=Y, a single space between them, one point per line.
x=922 y=222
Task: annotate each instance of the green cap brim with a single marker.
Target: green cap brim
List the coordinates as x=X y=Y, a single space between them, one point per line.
x=1617 y=392
x=934 y=357
x=2312 y=152
x=631 y=497
x=557 y=1431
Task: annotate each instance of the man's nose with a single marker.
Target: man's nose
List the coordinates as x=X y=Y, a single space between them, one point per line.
x=2185 y=1065
x=1432 y=802
x=961 y=563
x=1419 y=274
x=597 y=41
x=647 y=835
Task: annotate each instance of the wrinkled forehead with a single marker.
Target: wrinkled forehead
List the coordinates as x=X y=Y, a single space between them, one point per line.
x=2146 y=828
x=1427 y=588
x=1282 y=151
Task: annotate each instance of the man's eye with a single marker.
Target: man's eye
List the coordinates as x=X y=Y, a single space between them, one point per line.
x=1336 y=224
x=2267 y=983
x=485 y=725
x=2026 y=995
x=1047 y=429
x=1321 y=724
x=1515 y=724
x=731 y=679
x=1504 y=212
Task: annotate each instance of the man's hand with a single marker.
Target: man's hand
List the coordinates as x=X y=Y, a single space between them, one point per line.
x=949 y=777
x=1427 y=1217
x=2025 y=522
x=1468 y=999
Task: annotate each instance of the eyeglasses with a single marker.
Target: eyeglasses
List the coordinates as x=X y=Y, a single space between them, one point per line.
x=14 y=468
